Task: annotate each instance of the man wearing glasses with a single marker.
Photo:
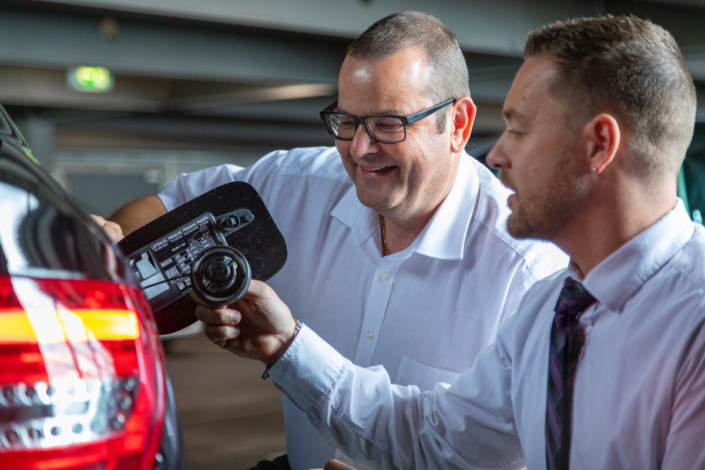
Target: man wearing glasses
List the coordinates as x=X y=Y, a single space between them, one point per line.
x=398 y=250
x=603 y=365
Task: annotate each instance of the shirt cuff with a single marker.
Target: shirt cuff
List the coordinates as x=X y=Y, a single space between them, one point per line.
x=308 y=369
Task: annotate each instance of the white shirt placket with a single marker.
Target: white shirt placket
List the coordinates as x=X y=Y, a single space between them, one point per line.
x=377 y=302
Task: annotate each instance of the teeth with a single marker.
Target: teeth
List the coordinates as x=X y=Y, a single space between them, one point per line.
x=375 y=168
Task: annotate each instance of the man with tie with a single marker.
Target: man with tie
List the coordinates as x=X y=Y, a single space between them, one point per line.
x=603 y=366
x=393 y=227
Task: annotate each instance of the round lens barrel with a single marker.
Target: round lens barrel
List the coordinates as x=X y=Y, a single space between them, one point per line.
x=220 y=276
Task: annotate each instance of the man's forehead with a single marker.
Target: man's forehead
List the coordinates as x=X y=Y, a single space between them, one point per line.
x=409 y=63
x=393 y=85
x=362 y=72
x=530 y=90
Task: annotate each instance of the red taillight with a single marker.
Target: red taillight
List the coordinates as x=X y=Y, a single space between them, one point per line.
x=81 y=376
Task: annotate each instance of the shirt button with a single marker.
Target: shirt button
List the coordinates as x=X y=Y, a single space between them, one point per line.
x=384 y=275
x=370 y=335
x=344 y=458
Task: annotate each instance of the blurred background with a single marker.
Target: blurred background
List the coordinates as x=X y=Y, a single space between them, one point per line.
x=117 y=97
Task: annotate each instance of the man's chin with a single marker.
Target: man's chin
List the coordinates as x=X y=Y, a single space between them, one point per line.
x=377 y=204
x=520 y=229
x=377 y=197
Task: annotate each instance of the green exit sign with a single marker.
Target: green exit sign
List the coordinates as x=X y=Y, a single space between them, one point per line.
x=91 y=79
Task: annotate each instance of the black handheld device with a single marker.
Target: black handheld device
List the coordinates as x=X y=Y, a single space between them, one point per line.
x=213 y=245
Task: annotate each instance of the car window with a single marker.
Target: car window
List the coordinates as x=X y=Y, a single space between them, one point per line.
x=5 y=127
x=39 y=237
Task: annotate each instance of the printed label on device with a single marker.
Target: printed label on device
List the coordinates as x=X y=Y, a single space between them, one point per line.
x=164 y=267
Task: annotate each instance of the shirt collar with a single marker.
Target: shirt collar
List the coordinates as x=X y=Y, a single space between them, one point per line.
x=361 y=220
x=443 y=237
x=617 y=278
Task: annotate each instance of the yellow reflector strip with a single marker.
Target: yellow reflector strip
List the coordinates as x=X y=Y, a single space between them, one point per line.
x=16 y=327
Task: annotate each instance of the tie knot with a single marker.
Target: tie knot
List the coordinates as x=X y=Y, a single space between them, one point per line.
x=573 y=299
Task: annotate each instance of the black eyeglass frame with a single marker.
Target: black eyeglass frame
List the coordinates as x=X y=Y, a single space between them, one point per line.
x=406 y=120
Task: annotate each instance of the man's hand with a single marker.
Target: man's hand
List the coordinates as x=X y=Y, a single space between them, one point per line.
x=337 y=465
x=113 y=230
x=258 y=326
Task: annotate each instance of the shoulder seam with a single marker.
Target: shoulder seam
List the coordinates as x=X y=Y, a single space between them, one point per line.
x=687 y=279
x=493 y=232
x=292 y=154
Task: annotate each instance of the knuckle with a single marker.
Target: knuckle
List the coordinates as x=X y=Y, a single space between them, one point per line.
x=220 y=332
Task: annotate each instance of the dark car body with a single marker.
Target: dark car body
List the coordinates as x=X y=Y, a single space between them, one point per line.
x=83 y=383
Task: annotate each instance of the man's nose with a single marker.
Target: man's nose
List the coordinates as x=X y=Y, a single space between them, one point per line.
x=362 y=143
x=497 y=158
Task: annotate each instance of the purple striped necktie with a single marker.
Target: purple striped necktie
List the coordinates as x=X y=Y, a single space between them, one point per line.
x=567 y=338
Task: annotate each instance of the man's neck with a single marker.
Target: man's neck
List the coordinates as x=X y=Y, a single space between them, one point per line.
x=400 y=236
x=401 y=231
x=603 y=227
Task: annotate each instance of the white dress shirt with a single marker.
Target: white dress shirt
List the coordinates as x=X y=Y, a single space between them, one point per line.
x=639 y=398
x=424 y=313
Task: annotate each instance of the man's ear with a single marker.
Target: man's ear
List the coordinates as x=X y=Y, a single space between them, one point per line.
x=603 y=137
x=462 y=119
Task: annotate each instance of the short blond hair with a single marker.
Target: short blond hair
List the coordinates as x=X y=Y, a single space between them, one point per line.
x=630 y=68
x=449 y=75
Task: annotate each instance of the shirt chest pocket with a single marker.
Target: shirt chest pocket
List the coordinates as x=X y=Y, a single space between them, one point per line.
x=425 y=377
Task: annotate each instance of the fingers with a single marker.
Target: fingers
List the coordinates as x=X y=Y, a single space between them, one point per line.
x=220 y=324
x=113 y=230
x=221 y=334
x=337 y=465
x=218 y=316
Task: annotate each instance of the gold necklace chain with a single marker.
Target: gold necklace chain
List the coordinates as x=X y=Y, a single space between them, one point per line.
x=385 y=250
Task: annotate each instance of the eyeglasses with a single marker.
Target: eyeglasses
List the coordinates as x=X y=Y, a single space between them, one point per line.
x=384 y=129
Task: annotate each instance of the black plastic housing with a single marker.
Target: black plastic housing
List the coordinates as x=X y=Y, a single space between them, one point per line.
x=258 y=240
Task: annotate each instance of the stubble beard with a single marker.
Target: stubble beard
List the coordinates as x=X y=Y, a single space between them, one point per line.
x=544 y=213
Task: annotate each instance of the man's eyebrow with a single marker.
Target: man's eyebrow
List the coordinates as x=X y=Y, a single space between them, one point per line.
x=512 y=114
x=384 y=112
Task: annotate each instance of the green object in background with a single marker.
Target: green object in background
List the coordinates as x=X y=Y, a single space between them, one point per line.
x=90 y=79
x=682 y=192
x=691 y=181
x=28 y=152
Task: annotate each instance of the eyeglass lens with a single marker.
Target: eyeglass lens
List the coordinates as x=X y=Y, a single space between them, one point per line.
x=384 y=128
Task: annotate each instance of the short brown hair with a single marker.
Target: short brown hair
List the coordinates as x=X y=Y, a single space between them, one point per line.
x=630 y=68
x=414 y=29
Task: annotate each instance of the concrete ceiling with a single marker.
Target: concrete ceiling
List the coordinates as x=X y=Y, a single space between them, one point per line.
x=238 y=70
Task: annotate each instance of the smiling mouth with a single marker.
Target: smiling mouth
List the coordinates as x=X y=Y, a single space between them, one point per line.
x=377 y=169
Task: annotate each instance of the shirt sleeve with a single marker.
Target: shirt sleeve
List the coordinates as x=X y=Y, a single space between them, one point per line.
x=468 y=425
x=684 y=444
x=262 y=176
x=521 y=282
x=543 y=260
